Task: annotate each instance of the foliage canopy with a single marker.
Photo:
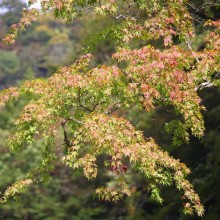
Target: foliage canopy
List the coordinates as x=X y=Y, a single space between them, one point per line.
x=81 y=101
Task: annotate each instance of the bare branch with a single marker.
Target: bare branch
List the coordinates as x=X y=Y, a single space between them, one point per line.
x=119 y=16
x=115 y=107
x=204 y=85
x=66 y=140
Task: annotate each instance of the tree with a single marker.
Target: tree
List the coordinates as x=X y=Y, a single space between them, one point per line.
x=83 y=100
x=11 y=10
x=9 y=63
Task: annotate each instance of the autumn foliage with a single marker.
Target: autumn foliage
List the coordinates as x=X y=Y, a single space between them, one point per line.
x=82 y=101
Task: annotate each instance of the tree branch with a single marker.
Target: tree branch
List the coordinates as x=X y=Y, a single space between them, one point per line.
x=115 y=107
x=80 y=104
x=119 y=16
x=204 y=85
x=66 y=140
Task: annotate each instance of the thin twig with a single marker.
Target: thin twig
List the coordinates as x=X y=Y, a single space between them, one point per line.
x=80 y=104
x=119 y=16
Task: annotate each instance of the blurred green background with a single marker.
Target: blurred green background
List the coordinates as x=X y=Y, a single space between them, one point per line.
x=39 y=51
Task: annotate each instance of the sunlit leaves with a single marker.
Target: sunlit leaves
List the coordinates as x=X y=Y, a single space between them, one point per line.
x=16 y=189
x=117 y=138
x=115 y=192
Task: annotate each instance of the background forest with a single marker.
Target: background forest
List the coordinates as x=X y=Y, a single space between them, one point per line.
x=38 y=52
